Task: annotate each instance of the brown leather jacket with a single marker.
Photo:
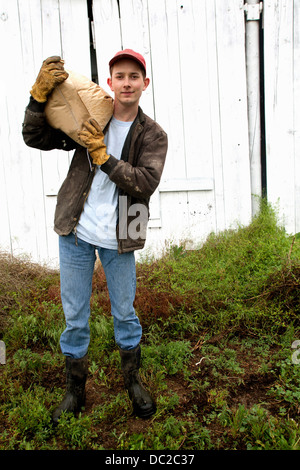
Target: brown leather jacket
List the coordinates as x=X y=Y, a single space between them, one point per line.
x=136 y=174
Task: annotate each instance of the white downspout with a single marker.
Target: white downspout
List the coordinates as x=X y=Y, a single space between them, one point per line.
x=253 y=9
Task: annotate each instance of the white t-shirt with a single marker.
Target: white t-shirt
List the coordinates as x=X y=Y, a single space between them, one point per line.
x=97 y=224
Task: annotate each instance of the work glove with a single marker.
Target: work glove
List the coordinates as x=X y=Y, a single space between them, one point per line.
x=51 y=74
x=92 y=137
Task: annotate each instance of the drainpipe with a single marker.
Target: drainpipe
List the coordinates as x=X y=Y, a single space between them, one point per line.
x=253 y=9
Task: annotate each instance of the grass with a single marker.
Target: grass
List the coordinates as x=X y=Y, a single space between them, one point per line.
x=219 y=323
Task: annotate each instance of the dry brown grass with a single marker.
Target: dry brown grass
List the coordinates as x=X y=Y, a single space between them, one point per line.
x=19 y=277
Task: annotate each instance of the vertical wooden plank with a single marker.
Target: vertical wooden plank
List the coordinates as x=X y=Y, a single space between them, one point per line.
x=41 y=38
x=195 y=88
x=214 y=116
x=107 y=36
x=233 y=110
x=54 y=163
x=296 y=101
x=74 y=26
x=5 y=21
x=134 y=26
x=5 y=232
x=279 y=102
x=193 y=52
x=31 y=33
x=166 y=82
x=166 y=86
x=135 y=35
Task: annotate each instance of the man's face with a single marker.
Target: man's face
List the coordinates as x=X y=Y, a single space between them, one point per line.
x=127 y=82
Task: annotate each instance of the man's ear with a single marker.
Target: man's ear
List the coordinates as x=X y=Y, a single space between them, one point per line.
x=146 y=83
x=109 y=83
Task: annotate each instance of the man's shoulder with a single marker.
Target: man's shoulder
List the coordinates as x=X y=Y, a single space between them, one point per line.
x=151 y=123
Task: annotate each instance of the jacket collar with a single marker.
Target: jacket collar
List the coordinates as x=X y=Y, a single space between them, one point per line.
x=140 y=118
x=140 y=115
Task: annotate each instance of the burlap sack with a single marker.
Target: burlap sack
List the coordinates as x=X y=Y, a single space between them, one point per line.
x=76 y=100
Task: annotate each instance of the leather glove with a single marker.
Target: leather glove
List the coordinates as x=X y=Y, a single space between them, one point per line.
x=93 y=138
x=51 y=74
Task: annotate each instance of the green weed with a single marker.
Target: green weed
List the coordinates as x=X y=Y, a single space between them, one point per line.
x=218 y=323
x=256 y=429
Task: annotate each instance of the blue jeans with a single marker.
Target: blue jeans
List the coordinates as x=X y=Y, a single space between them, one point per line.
x=76 y=272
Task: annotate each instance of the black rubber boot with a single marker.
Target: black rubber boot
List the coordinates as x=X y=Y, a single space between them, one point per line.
x=74 y=399
x=143 y=404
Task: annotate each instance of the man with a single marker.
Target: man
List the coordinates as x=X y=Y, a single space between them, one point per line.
x=119 y=168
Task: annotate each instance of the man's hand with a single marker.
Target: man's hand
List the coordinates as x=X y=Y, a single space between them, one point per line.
x=93 y=138
x=51 y=74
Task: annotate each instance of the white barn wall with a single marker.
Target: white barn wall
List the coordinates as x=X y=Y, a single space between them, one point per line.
x=195 y=53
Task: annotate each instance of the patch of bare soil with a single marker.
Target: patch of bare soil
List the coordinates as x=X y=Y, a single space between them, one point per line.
x=253 y=390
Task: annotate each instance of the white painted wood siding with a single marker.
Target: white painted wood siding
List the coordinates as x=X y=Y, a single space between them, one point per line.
x=282 y=98
x=195 y=54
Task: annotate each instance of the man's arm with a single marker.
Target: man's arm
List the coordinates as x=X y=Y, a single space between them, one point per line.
x=142 y=180
x=38 y=134
x=138 y=180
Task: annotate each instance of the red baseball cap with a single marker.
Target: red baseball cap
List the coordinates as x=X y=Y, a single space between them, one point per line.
x=129 y=54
